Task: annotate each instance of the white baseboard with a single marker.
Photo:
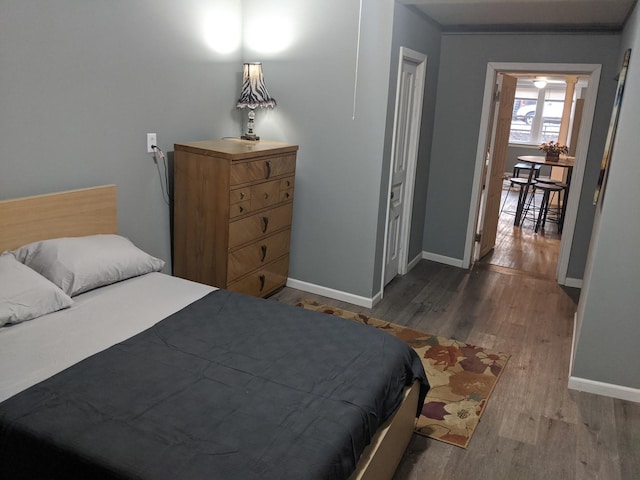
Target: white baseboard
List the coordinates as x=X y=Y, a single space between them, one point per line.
x=335 y=294
x=454 y=262
x=345 y=296
x=573 y=342
x=573 y=282
x=414 y=262
x=605 y=389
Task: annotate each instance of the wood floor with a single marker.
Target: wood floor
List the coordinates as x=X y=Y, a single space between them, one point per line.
x=520 y=247
x=533 y=426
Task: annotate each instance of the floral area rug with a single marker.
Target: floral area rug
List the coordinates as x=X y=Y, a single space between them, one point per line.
x=461 y=376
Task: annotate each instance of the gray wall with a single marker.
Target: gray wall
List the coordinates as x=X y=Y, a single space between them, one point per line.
x=608 y=325
x=413 y=30
x=463 y=68
x=338 y=177
x=81 y=84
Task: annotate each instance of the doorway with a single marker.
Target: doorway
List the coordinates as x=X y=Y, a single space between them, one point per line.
x=404 y=154
x=484 y=162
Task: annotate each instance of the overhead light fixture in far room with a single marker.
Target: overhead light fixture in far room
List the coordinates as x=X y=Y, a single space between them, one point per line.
x=254 y=94
x=540 y=83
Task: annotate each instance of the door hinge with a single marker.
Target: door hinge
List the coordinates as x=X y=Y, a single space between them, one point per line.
x=478 y=237
x=496 y=97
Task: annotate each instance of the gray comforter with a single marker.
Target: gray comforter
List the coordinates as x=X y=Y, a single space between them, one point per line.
x=230 y=387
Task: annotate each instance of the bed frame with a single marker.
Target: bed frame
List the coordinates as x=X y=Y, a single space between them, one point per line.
x=91 y=211
x=74 y=213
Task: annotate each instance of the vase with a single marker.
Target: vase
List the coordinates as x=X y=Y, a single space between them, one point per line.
x=552 y=157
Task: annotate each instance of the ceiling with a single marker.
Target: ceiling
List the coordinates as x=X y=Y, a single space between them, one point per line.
x=526 y=15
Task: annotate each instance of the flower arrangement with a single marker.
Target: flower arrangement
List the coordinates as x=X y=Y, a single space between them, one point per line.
x=554 y=149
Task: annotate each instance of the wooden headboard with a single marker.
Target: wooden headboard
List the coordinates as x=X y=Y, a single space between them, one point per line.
x=74 y=213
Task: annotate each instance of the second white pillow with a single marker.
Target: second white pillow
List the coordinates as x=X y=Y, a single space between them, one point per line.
x=79 y=264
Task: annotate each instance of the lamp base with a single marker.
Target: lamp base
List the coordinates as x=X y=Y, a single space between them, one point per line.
x=250 y=136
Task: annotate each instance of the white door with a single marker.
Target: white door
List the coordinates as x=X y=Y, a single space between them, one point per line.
x=406 y=136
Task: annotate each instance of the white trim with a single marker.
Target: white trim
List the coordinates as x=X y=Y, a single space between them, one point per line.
x=605 y=389
x=573 y=282
x=476 y=191
x=376 y=299
x=335 y=294
x=573 y=342
x=593 y=70
x=416 y=113
x=414 y=143
x=454 y=262
x=414 y=262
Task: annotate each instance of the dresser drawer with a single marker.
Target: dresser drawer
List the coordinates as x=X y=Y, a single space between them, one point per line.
x=265 y=194
x=263 y=281
x=255 y=197
x=286 y=195
x=240 y=195
x=259 y=225
x=246 y=172
x=257 y=254
x=240 y=208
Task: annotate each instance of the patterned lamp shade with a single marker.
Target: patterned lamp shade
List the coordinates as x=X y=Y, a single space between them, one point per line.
x=254 y=92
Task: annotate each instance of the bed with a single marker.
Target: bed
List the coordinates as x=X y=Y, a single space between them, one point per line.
x=156 y=377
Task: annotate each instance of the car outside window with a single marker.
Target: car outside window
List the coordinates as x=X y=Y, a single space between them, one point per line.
x=531 y=125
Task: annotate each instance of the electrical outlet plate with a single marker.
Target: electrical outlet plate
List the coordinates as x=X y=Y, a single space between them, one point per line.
x=151 y=140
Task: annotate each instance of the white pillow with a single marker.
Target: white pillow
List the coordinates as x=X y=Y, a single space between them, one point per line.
x=79 y=264
x=24 y=294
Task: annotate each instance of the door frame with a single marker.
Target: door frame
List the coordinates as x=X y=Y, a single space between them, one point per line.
x=493 y=68
x=412 y=159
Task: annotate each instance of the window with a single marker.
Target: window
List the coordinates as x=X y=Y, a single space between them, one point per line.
x=531 y=125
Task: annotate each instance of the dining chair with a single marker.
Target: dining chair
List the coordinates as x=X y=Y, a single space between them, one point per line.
x=527 y=203
x=548 y=189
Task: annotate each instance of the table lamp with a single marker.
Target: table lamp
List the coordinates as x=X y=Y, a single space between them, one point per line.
x=254 y=94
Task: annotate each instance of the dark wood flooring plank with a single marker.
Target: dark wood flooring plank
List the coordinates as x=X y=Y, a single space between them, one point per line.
x=597 y=431
x=628 y=438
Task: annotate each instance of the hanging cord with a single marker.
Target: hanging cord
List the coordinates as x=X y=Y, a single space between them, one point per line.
x=355 y=81
x=163 y=185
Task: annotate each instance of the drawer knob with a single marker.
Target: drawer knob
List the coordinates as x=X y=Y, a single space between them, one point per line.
x=268 y=164
x=265 y=224
x=262 y=280
x=241 y=209
x=241 y=195
x=287 y=195
x=266 y=195
x=263 y=249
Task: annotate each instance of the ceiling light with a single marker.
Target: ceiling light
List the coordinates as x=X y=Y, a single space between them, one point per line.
x=540 y=83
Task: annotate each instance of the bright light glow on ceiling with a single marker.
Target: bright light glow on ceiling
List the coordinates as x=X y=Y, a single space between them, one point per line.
x=222 y=29
x=269 y=34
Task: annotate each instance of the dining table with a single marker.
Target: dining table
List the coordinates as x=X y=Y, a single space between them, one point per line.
x=532 y=160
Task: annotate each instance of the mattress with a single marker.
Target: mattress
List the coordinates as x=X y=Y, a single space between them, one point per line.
x=228 y=387
x=97 y=320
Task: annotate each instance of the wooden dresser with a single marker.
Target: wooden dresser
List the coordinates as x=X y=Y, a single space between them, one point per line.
x=233 y=202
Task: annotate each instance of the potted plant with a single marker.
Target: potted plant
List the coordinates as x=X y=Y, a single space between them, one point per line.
x=553 y=150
